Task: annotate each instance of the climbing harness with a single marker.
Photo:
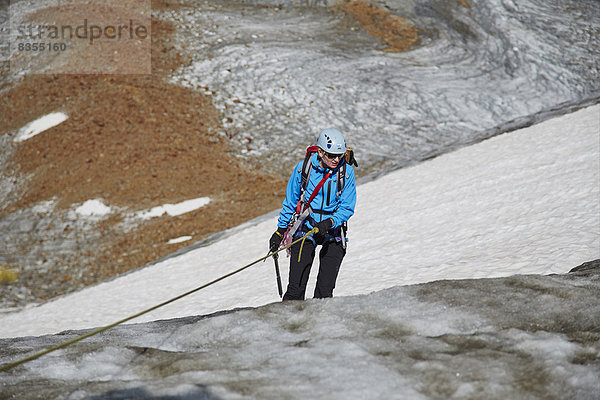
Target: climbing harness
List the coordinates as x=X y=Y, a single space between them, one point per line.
x=35 y=356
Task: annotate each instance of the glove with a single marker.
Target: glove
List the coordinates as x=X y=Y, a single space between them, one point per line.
x=324 y=226
x=276 y=239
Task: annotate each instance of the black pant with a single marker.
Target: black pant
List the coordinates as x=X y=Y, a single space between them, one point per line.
x=330 y=259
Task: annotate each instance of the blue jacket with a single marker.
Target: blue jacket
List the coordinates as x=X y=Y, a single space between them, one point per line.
x=326 y=199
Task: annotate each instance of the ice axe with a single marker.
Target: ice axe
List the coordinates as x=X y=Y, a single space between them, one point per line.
x=276 y=259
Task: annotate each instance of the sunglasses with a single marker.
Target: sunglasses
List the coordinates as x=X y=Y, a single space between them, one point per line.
x=332 y=156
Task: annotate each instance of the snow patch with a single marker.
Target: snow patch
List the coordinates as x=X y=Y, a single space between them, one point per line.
x=93 y=208
x=44 y=207
x=40 y=125
x=174 y=209
x=179 y=239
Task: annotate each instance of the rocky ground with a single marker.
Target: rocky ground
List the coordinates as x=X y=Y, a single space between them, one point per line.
x=136 y=142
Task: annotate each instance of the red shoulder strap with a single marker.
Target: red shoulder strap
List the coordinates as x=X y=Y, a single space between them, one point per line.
x=314 y=193
x=305 y=173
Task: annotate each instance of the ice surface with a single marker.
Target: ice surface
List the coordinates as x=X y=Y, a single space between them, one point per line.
x=279 y=75
x=519 y=337
x=522 y=202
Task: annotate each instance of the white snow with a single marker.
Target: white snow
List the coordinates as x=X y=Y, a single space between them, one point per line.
x=40 y=125
x=522 y=202
x=93 y=208
x=44 y=207
x=174 y=209
x=179 y=239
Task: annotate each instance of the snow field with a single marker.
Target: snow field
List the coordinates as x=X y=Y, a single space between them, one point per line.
x=523 y=202
x=520 y=203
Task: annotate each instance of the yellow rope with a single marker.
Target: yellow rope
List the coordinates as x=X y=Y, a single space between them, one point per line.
x=313 y=230
x=35 y=356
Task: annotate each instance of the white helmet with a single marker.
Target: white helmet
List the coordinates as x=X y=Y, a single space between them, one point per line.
x=332 y=141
